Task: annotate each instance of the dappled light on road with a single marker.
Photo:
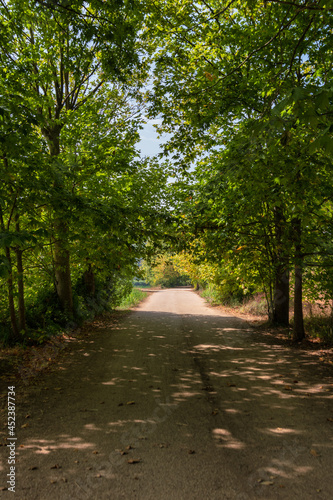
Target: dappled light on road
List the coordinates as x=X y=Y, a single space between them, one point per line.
x=178 y=392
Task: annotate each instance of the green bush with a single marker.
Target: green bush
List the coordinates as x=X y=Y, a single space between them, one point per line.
x=320 y=327
x=108 y=294
x=224 y=293
x=256 y=305
x=132 y=299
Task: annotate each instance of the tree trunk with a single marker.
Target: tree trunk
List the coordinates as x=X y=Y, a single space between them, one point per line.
x=10 y=284
x=20 y=284
x=89 y=281
x=280 y=314
x=281 y=297
x=299 y=332
x=10 y=288
x=62 y=268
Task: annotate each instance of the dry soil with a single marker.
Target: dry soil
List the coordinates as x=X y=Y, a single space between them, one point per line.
x=176 y=401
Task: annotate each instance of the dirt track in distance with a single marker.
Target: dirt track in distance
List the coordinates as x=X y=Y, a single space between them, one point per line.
x=177 y=401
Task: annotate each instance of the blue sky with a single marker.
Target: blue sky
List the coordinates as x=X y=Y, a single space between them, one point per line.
x=150 y=144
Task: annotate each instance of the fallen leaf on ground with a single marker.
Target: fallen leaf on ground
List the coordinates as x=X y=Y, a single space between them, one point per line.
x=24 y=425
x=130 y=403
x=315 y=453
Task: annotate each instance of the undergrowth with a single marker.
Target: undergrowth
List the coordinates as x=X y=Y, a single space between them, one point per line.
x=319 y=327
x=256 y=305
x=132 y=299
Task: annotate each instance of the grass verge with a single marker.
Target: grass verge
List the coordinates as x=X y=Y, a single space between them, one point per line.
x=131 y=300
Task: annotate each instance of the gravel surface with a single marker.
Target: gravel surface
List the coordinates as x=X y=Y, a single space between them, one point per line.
x=176 y=401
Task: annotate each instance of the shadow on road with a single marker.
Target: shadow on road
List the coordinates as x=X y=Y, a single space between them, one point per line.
x=202 y=383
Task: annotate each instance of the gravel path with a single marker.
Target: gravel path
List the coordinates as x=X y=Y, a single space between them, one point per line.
x=176 y=401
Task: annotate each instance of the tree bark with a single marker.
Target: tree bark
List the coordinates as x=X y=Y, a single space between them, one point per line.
x=20 y=285
x=10 y=284
x=280 y=314
x=10 y=288
x=89 y=281
x=281 y=297
x=62 y=268
x=299 y=332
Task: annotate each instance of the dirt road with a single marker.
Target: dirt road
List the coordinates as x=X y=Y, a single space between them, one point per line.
x=177 y=401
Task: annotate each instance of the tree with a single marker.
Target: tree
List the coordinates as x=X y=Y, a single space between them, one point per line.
x=55 y=59
x=225 y=73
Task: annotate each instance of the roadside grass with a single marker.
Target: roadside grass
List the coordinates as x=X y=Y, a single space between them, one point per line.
x=214 y=297
x=141 y=284
x=211 y=295
x=318 y=321
x=319 y=327
x=131 y=300
x=256 y=305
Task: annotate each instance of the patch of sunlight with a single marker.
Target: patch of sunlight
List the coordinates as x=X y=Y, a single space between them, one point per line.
x=287 y=469
x=282 y=430
x=133 y=368
x=225 y=439
x=119 y=423
x=180 y=396
x=116 y=381
x=92 y=427
x=216 y=348
x=45 y=447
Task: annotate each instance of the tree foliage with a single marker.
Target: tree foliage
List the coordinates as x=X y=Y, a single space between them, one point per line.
x=247 y=85
x=78 y=205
